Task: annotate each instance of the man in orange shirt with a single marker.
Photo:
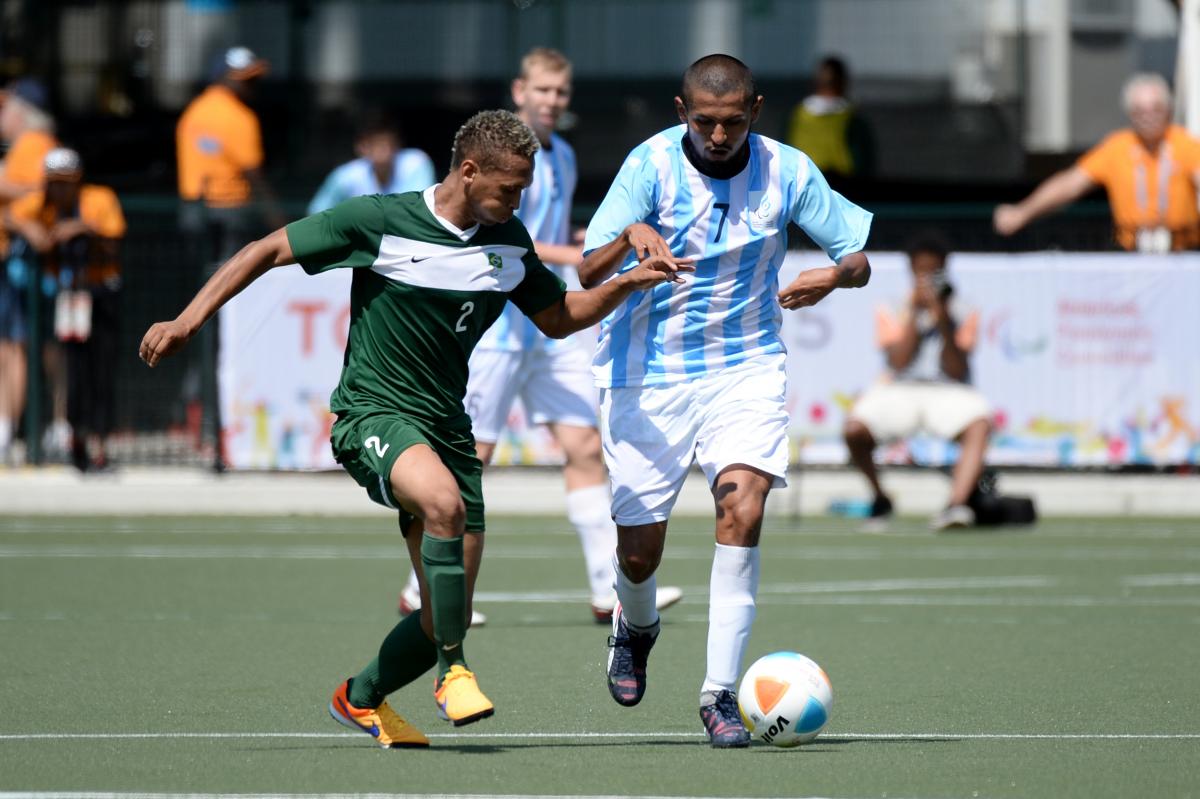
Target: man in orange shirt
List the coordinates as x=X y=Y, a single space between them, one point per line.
x=219 y=150
x=1150 y=170
x=28 y=130
x=220 y=154
x=75 y=229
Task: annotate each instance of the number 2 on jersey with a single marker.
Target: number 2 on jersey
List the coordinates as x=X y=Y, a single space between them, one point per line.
x=461 y=327
x=724 y=209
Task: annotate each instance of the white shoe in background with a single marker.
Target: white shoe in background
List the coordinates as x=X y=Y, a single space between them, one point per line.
x=410 y=602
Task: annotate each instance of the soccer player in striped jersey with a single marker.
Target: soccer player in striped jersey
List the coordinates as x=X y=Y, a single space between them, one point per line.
x=382 y=167
x=432 y=271
x=552 y=377
x=694 y=371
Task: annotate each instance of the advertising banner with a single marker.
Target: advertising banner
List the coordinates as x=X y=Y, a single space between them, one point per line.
x=282 y=341
x=1086 y=359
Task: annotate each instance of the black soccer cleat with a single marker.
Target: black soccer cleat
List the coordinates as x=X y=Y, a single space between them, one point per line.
x=722 y=720
x=627 y=655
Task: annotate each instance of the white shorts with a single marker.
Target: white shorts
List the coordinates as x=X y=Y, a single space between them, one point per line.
x=900 y=410
x=652 y=434
x=555 y=385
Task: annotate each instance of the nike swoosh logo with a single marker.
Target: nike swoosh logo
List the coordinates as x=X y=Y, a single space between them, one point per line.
x=417 y=260
x=450 y=647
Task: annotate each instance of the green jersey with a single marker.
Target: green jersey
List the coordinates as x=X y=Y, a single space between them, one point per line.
x=422 y=295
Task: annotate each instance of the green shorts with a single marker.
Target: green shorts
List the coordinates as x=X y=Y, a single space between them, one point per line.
x=368 y=445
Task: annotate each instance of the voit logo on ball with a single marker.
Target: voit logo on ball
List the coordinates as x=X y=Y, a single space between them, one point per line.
x=785 y=699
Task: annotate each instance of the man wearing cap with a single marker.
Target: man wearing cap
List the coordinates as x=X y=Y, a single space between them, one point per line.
x=219 y=151
x=75 y=229
x=27 y=128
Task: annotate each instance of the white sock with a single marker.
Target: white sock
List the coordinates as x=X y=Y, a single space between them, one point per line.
x=588 y=510
x=637 y=599
x=6 y=434
x=414 y=585
x=732 y=589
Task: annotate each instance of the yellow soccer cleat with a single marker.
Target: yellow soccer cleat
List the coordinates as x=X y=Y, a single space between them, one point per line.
x=459 y=699
x=382 y=723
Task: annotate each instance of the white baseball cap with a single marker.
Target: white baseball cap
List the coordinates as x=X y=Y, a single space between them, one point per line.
x=242 y=64
x=63 y=161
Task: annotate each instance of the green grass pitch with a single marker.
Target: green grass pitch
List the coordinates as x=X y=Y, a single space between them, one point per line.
x=197 y=655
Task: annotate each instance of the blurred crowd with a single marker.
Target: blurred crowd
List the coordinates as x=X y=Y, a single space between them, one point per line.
x=60 y=236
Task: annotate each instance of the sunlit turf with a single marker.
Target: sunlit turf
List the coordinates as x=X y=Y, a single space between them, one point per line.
x=197 y=654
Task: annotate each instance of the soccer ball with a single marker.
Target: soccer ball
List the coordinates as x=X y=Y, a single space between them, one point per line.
x=785 y=699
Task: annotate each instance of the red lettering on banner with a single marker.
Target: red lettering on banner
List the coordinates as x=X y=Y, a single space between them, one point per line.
x=1103 y=333
x=307 y=311
x=1102 y=308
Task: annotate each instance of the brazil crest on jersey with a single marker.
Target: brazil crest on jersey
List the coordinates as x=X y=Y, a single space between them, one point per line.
x=736 y=230
x=422 y=294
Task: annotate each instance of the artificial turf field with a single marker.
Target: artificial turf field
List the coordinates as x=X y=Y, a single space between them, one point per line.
x=196 y=655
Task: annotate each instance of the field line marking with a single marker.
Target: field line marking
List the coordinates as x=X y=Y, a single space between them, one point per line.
x=1160 y=580
x=144 y=795
x=272 y=551
x=839 y=736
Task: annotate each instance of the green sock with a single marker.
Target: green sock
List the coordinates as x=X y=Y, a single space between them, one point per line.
x=442 y=559
x=405 y=655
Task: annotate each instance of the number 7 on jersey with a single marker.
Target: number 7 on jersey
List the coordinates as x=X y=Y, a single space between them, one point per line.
x=724 y=209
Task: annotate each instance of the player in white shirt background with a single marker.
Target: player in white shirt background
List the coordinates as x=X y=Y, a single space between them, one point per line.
x=694 y=371
x=552 y=377
x=383 y=166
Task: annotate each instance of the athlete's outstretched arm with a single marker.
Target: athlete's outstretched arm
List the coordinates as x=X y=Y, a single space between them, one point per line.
x=813 y=285
x=582 y=309
x=603 y=261
x=167 y=338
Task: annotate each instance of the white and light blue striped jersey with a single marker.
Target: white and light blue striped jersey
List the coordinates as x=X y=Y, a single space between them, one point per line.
x=546 y=212
x=411 y=171
x=736 y=230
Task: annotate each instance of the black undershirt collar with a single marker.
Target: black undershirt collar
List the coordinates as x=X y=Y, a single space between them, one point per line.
x=723 y=170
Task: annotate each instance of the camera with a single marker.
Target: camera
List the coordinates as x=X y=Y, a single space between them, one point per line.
x=940 y=283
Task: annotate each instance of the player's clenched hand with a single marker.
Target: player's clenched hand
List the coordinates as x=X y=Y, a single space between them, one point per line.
x=809 y=288
x=646 y=241
x=163 y=339
x=657 y=269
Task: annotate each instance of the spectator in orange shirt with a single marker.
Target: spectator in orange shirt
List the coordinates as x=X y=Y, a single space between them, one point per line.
x=220 y=154
x=1150 y=170
x=219 y=150
x=28 y=130
x=75 y=228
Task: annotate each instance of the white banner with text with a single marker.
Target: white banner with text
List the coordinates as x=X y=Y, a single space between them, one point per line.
x=1087 y=359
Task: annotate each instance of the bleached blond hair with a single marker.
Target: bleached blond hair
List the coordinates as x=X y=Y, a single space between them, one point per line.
x=490 y=134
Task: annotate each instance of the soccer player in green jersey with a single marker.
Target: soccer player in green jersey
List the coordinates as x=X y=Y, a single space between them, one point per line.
x=432 y=271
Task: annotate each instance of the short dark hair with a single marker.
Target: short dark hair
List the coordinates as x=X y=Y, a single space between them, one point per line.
x=375 y=122
x=930 y=241
x=489 y=134
x=837 y=72
x=719 y=75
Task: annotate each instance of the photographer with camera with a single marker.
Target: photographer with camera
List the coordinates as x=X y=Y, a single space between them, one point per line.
x=927 y=388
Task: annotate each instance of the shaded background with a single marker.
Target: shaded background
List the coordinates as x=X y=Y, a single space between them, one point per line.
x=971 y=102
